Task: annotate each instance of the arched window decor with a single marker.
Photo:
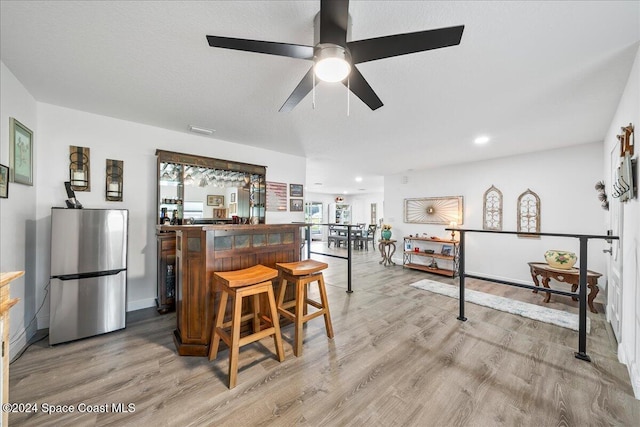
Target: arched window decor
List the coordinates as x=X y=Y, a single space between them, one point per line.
x=492 y=211
x=529 y=212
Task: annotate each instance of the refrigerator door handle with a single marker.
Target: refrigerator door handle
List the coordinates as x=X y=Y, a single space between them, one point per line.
x=87 y=275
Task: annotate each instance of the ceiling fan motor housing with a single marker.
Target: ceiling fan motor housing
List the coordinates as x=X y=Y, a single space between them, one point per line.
x=332 y=63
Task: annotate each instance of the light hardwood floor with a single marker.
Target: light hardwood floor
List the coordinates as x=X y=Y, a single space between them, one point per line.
x=399 y=357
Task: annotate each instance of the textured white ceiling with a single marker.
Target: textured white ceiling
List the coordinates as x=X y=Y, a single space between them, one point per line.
x=532 y=75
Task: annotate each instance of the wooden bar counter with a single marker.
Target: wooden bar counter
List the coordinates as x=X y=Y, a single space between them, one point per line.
x=202 y=250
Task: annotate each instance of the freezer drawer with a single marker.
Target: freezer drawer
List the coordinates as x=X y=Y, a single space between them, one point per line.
x=85 y=307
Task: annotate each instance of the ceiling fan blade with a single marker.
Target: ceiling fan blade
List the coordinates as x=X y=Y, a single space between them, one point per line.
x=403 y=44
x=362 y=90
x=334 y=17
x=298 y=94
x=258 y=46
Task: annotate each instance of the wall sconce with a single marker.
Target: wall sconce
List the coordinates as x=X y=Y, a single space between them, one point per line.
x=114 y=180
x=79 y=168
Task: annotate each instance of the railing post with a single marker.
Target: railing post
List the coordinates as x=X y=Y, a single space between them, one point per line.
x=349 y=290
x=308 y=238
x=582 y=297
x=461 y=274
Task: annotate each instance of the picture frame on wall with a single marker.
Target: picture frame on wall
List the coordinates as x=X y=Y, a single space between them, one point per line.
x=215 y=200
x=20 y=153
x=232 y=198
x=4 y=182
x=295 y=190
x=295 y=205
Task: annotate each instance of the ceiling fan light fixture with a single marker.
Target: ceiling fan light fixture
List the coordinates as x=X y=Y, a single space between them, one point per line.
x=331 y=63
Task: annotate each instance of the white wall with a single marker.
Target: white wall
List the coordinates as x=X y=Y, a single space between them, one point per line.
x=25 y=216
x=135 y=144
x=564 y=180
x=629 y=348
x=17 y=213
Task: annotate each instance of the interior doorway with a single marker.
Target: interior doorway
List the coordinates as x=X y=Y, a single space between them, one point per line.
x=313 y=215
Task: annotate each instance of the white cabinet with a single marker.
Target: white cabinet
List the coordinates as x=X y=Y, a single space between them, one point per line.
x=339 y=213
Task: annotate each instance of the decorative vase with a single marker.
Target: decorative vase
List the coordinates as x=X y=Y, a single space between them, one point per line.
x=563 y=260
x=386 y=234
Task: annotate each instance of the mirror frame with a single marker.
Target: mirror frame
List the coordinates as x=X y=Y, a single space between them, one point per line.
x=164 y=156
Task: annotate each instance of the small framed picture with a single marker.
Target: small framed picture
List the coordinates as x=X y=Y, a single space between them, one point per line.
x=295 y=190
x=232 y=198
x=215 y=200
x=20 y=153
x=295 y=205
x=446 y=250
x=4 y=182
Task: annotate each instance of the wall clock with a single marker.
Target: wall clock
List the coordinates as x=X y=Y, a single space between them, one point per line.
x=433 y=210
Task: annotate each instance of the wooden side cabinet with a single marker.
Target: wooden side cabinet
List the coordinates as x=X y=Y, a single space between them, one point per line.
x=437 y=256
x=5 y=304
x=166 y=295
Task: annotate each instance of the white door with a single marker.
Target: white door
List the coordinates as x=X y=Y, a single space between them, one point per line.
x=614 y=269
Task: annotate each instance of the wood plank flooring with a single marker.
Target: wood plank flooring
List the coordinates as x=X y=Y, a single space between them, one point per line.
x=399 y=357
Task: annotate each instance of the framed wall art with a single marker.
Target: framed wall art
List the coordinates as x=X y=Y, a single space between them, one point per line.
x=20 y=153
x=433 y=210
x=528 y=214
x=295 y=205
x=295 y=190
x=215 y=200
x=276 y=196
x=4 y=182
x=492 y=209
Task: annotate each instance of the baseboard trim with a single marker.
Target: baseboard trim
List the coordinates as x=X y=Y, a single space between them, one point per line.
x=140 y=304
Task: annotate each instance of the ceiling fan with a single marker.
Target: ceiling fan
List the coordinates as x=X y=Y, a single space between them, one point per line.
x=335 y=59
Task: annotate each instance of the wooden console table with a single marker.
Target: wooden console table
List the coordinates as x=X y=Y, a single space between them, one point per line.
x=387 y=249
x=568 y=276
x=5 y=304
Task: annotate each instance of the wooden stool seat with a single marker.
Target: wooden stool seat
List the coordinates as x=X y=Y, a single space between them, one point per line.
x=248 y=276
x=300 y=274
x=302 y=268
x=238 y=284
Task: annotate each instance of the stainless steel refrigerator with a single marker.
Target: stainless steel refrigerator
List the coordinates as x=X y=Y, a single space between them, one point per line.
x=88 y=272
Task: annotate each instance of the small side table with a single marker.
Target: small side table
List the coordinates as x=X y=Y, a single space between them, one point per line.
x=571 y=277
x=387 y=249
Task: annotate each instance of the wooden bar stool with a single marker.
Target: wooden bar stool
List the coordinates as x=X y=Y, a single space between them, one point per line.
x=239 y=284
x=300 y=274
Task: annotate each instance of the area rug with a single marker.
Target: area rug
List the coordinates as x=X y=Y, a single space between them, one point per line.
x=531 y=311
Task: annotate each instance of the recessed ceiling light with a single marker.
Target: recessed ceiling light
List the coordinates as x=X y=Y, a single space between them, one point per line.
x=344 y=192
x=481 y=140
x=201 y=130
x=317 y=183
x=358 y=179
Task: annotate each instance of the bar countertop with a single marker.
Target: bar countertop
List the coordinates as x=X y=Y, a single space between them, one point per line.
x=205 y=227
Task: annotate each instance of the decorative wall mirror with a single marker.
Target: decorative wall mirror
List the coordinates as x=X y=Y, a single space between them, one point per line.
x=492 y=209
x=187 y=183
x=528 y=213
x=433 y=210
